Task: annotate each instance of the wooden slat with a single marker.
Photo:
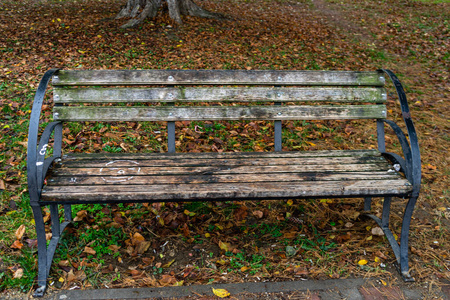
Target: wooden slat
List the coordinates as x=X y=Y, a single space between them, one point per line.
x=189 y=162
x=211 y=170
x=223 y=94
x=77 y=180
x=222 y=77
x=235 y=191
x=294 y=112
x=222 y=155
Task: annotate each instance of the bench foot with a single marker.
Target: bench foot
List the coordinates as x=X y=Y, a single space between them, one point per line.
x=45 y=254
x=400 y=251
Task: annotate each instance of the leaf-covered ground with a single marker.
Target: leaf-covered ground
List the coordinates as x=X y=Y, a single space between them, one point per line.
x=160 y=245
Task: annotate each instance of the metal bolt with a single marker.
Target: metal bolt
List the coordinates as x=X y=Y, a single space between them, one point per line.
x=407 y=183
x=170 y=78
x=55 y=115
x=56 y=97
x=279 y=113
x=279 y=78
x=170 y=114
x=279 y=94
x=170 y=95
x=55 y=77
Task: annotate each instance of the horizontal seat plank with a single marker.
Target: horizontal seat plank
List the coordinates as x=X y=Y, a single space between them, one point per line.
x=223 y=191
x=134 y=170
x=221 y=77
x=180 y=161
x=221 y=155
x=294 y=112
x=222 y=94
x=80 y=180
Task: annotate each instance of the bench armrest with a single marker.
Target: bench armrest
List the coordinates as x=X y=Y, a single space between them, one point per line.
x=411 y=150
x=37 y=165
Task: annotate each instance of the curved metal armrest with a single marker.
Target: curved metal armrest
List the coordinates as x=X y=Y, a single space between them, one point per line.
x=411 y=149
x=34 y=178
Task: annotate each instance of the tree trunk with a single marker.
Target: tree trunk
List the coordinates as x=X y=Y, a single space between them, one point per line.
x=139 y=10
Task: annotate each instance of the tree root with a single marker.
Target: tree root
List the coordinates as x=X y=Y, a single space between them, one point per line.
x=139 y=10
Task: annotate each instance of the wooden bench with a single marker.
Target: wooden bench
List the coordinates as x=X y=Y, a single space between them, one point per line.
x=177 y=95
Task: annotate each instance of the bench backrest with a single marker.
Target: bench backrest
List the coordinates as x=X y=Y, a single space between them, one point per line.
x=81 y=95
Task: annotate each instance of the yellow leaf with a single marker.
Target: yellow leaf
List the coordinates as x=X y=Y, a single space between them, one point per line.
x=61 y=279
x=179 y=283
x=20 y=231
x=58 y=19
x=395 y=236
x=383 y=282
x=221 y=293
x=377 y=259
x=362 y=262
x=290 y=202
x=224 y=246
x=369 y=238
x=207 y=235
x=168 y=264
x=245 y=268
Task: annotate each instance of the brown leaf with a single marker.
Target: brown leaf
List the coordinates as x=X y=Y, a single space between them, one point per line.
x=20 y=231
x=259 y=214
x=114 y=248
x=89 y=250
x=2 y=185
x=17 y=245
x=137 y=238
x=18 y=273
x=64 y=263
x=142 y=247
x=167 y=280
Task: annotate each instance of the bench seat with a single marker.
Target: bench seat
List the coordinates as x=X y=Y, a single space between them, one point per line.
x=80 y=178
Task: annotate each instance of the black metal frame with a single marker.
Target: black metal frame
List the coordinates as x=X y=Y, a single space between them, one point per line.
x=38 y=165
x=410 y=165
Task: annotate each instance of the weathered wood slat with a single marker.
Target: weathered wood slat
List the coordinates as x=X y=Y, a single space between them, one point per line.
x=235 y=191
x=221 y=77
x=195 y=179
x=294 y=112
x=222 y=94
x=223 y=155
x=186 y=162
x=134 y=169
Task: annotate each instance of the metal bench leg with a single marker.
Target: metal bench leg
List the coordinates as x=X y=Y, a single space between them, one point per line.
x=404 y=267
x=367 y=203
x=45 y=254
x=400 y=252
x=68 y=212
x=42 y=251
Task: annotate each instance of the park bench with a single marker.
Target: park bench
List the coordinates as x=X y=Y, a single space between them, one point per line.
x=56 y=180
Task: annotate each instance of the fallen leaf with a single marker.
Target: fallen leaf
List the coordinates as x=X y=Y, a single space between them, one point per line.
x=224 y=246
x=2 y=185
x=349 y=224
x=20 y=231
x=142 y=247
x=362 y=262
x=17 y=245
x=377 y=231
x=168 y=264
x=290 y=202
x=167 y=280
x=259 y=214
x=114 y=248
x=89 y=250
x=221 y=293
x=18 y=273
